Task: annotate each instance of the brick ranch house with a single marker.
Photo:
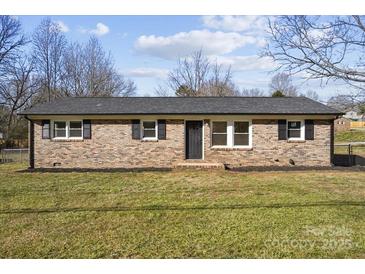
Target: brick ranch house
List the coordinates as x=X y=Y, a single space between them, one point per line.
x=145 y=132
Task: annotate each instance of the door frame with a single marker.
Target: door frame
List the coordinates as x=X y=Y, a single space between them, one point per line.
x=203 y=141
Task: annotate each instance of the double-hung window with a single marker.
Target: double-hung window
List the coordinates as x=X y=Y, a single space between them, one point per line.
x=219 y=134
x=149 y=130
x=231 y=134
x=60 y=129
x=75 y=129
x=67 y=129
x=241 y=134
x=295 y=130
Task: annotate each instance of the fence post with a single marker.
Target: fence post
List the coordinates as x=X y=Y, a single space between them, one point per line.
x=349 y=153
x=21 y=160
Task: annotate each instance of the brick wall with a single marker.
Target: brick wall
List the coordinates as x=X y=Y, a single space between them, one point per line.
x=112 y=146
x=268 y=150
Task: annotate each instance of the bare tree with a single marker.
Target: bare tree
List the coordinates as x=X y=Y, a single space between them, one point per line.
x=3 y=119
x=73 y=78
x=17 y=89
x=343 y=102
x=283 y=82
x=220 y=82
x=11 y=41
x=197 y=76
x=90 y=71
x=191 y=73
x=162 y=91
x=330 y=49
x=252 y=92
x=311 y=94
x=14 y=75
x=48 y=48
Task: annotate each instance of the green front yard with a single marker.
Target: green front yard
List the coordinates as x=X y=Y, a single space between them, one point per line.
x=182 y=214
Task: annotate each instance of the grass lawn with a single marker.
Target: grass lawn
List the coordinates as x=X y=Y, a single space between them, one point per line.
x=182 y=214
x=350 y=136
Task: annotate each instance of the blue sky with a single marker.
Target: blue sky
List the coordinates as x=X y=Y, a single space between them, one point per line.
x=145 y=48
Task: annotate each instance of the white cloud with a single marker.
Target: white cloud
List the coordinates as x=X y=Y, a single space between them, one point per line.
x=147 y=73
x=62 y=26
x=235 y=23
x=100 y=30
x=245 y=63
x=184 y=43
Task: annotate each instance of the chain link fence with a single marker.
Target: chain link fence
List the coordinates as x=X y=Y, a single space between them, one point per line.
x=349 y=154
x=10 y=155
x=344 y=155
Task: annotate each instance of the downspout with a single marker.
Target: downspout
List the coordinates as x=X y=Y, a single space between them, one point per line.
x=332 y=140
x=30 y=141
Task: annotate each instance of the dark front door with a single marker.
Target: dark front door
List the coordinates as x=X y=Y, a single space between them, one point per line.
x=194 y=139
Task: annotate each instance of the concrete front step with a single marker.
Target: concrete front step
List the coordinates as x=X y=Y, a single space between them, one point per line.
x=199 y=165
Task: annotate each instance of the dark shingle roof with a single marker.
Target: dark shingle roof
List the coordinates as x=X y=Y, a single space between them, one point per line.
x=180 y=105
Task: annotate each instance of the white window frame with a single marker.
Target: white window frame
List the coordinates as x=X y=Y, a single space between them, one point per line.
x=230 y=134
x=302 y=130
x=142 y=130
x=67 y=130
x=211 y=133
x=249 y=135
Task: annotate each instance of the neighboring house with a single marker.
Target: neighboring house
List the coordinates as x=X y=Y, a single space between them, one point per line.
x=353 y=115
x=143 y=132
x=342 y=124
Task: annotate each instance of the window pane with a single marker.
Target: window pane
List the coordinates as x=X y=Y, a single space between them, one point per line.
x=75 y=125
x=241 y=127
x=60 y=125
x=150 y=125
x=294 y=125
x=241 y=139
x=219 y=127
x=149 y=133
x=75 y=133
x=149 y=129
x=60 y=133
x=294 y=133
x=75 y=129
x=59 y=129
x=219 y=139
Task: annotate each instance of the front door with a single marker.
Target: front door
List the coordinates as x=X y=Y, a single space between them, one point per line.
x=194 y=139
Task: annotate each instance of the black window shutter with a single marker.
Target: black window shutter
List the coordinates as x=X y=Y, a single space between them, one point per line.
x=46 y=129
x=282 y=129
x=309 y=129
x=136 y=129
x=162 y=129
x=87 y=129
